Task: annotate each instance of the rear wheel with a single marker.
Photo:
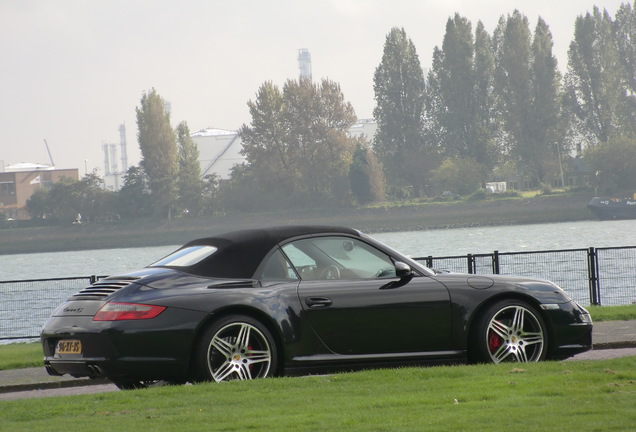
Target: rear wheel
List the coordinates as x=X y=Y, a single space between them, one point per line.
x=236 y=347
x=509 y=331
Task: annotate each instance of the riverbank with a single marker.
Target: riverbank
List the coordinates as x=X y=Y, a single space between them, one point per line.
x=424 y=216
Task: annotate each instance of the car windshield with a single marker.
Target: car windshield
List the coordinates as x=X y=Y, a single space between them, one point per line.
x=186 y=256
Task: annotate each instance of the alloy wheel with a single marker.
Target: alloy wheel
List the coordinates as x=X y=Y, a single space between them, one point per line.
x=239 y=351
x=515 y=333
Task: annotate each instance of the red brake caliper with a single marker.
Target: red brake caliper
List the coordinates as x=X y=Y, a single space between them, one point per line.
x=494 y=341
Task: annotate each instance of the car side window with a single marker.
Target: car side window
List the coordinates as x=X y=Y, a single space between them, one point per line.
x=277 y=268
x=338 y=258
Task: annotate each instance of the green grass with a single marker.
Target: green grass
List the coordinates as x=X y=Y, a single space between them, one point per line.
x=564 y=396
x=14 y=356
x=612 y=313
x=20 y=355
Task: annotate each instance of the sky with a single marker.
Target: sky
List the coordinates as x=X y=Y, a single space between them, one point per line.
x=73 y=71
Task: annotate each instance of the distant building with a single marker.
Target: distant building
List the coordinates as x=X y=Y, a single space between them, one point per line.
x=304 y=63
x=19 y=181
x=113 y=173
x=219 y=149
x=364 y=127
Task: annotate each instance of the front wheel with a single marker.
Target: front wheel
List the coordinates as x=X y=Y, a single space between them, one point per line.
x=509 y=331
x=237 y=347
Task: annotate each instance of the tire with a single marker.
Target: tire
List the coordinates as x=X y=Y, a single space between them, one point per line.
x=237 y=347
x=509 y=331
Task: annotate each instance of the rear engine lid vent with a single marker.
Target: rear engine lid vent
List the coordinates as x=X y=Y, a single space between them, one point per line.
x=104 y=288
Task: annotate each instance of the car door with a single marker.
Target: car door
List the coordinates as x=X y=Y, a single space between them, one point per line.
x=356 y=304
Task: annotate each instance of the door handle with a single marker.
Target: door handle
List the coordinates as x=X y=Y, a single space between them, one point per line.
x=317 y=302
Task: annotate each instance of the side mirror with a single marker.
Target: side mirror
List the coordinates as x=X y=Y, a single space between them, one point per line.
x=402 y=269
x=404 y=272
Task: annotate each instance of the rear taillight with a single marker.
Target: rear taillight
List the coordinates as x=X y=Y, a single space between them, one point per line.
x=127 y=311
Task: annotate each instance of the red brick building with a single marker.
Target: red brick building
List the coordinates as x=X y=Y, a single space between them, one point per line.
x=19 y=181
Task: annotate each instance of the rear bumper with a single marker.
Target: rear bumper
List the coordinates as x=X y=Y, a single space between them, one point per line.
x=143 y=349
x=142 y=368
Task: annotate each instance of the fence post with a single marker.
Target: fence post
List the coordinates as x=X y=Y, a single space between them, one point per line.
x=495 y=262
x=592 y=272
x=471 y=263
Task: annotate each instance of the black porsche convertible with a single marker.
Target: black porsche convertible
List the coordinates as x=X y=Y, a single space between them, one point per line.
x=301 y=299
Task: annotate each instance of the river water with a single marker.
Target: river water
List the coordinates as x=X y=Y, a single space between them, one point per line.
x=447 y=242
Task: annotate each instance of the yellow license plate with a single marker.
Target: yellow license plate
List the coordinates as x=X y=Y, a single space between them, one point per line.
x=69 y=346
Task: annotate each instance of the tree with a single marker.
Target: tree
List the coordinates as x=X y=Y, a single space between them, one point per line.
x=399 y=86
x=614 y=161
x=210 y=193
x=68 y=197
x=487 y=125
x=625 y=30
x=512 y=80
x=298 y=144
x=134 y=198
x=460 y=94
x=542 y=151
x=625 y=33
x=527 y=87
x=158 y=146
x=39 y=204
x=189 y=182
x=365 y=176
x=458 y=175
x=596 y=91
x=94 y=202
x=451 y=89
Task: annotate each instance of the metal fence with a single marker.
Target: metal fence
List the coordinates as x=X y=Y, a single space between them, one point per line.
x=593 y=276
x=26 y=304
x=598 y=276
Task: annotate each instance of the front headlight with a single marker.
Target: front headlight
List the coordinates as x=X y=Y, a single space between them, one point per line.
x=585 y=316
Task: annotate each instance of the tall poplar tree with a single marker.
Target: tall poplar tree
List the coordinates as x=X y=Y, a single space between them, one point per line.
x=513 y=86
x=625 y=24
x=595 y=78
x=513 y=75
x=399 y=86
x=486 y=121
x=625 y=31
x=158 y=146
x=460 y=99
x=527 y=83
x=543 y=151
x=451 y=90
x=189 y=182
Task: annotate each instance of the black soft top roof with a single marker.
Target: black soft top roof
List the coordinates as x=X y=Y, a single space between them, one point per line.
x=240 y=252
